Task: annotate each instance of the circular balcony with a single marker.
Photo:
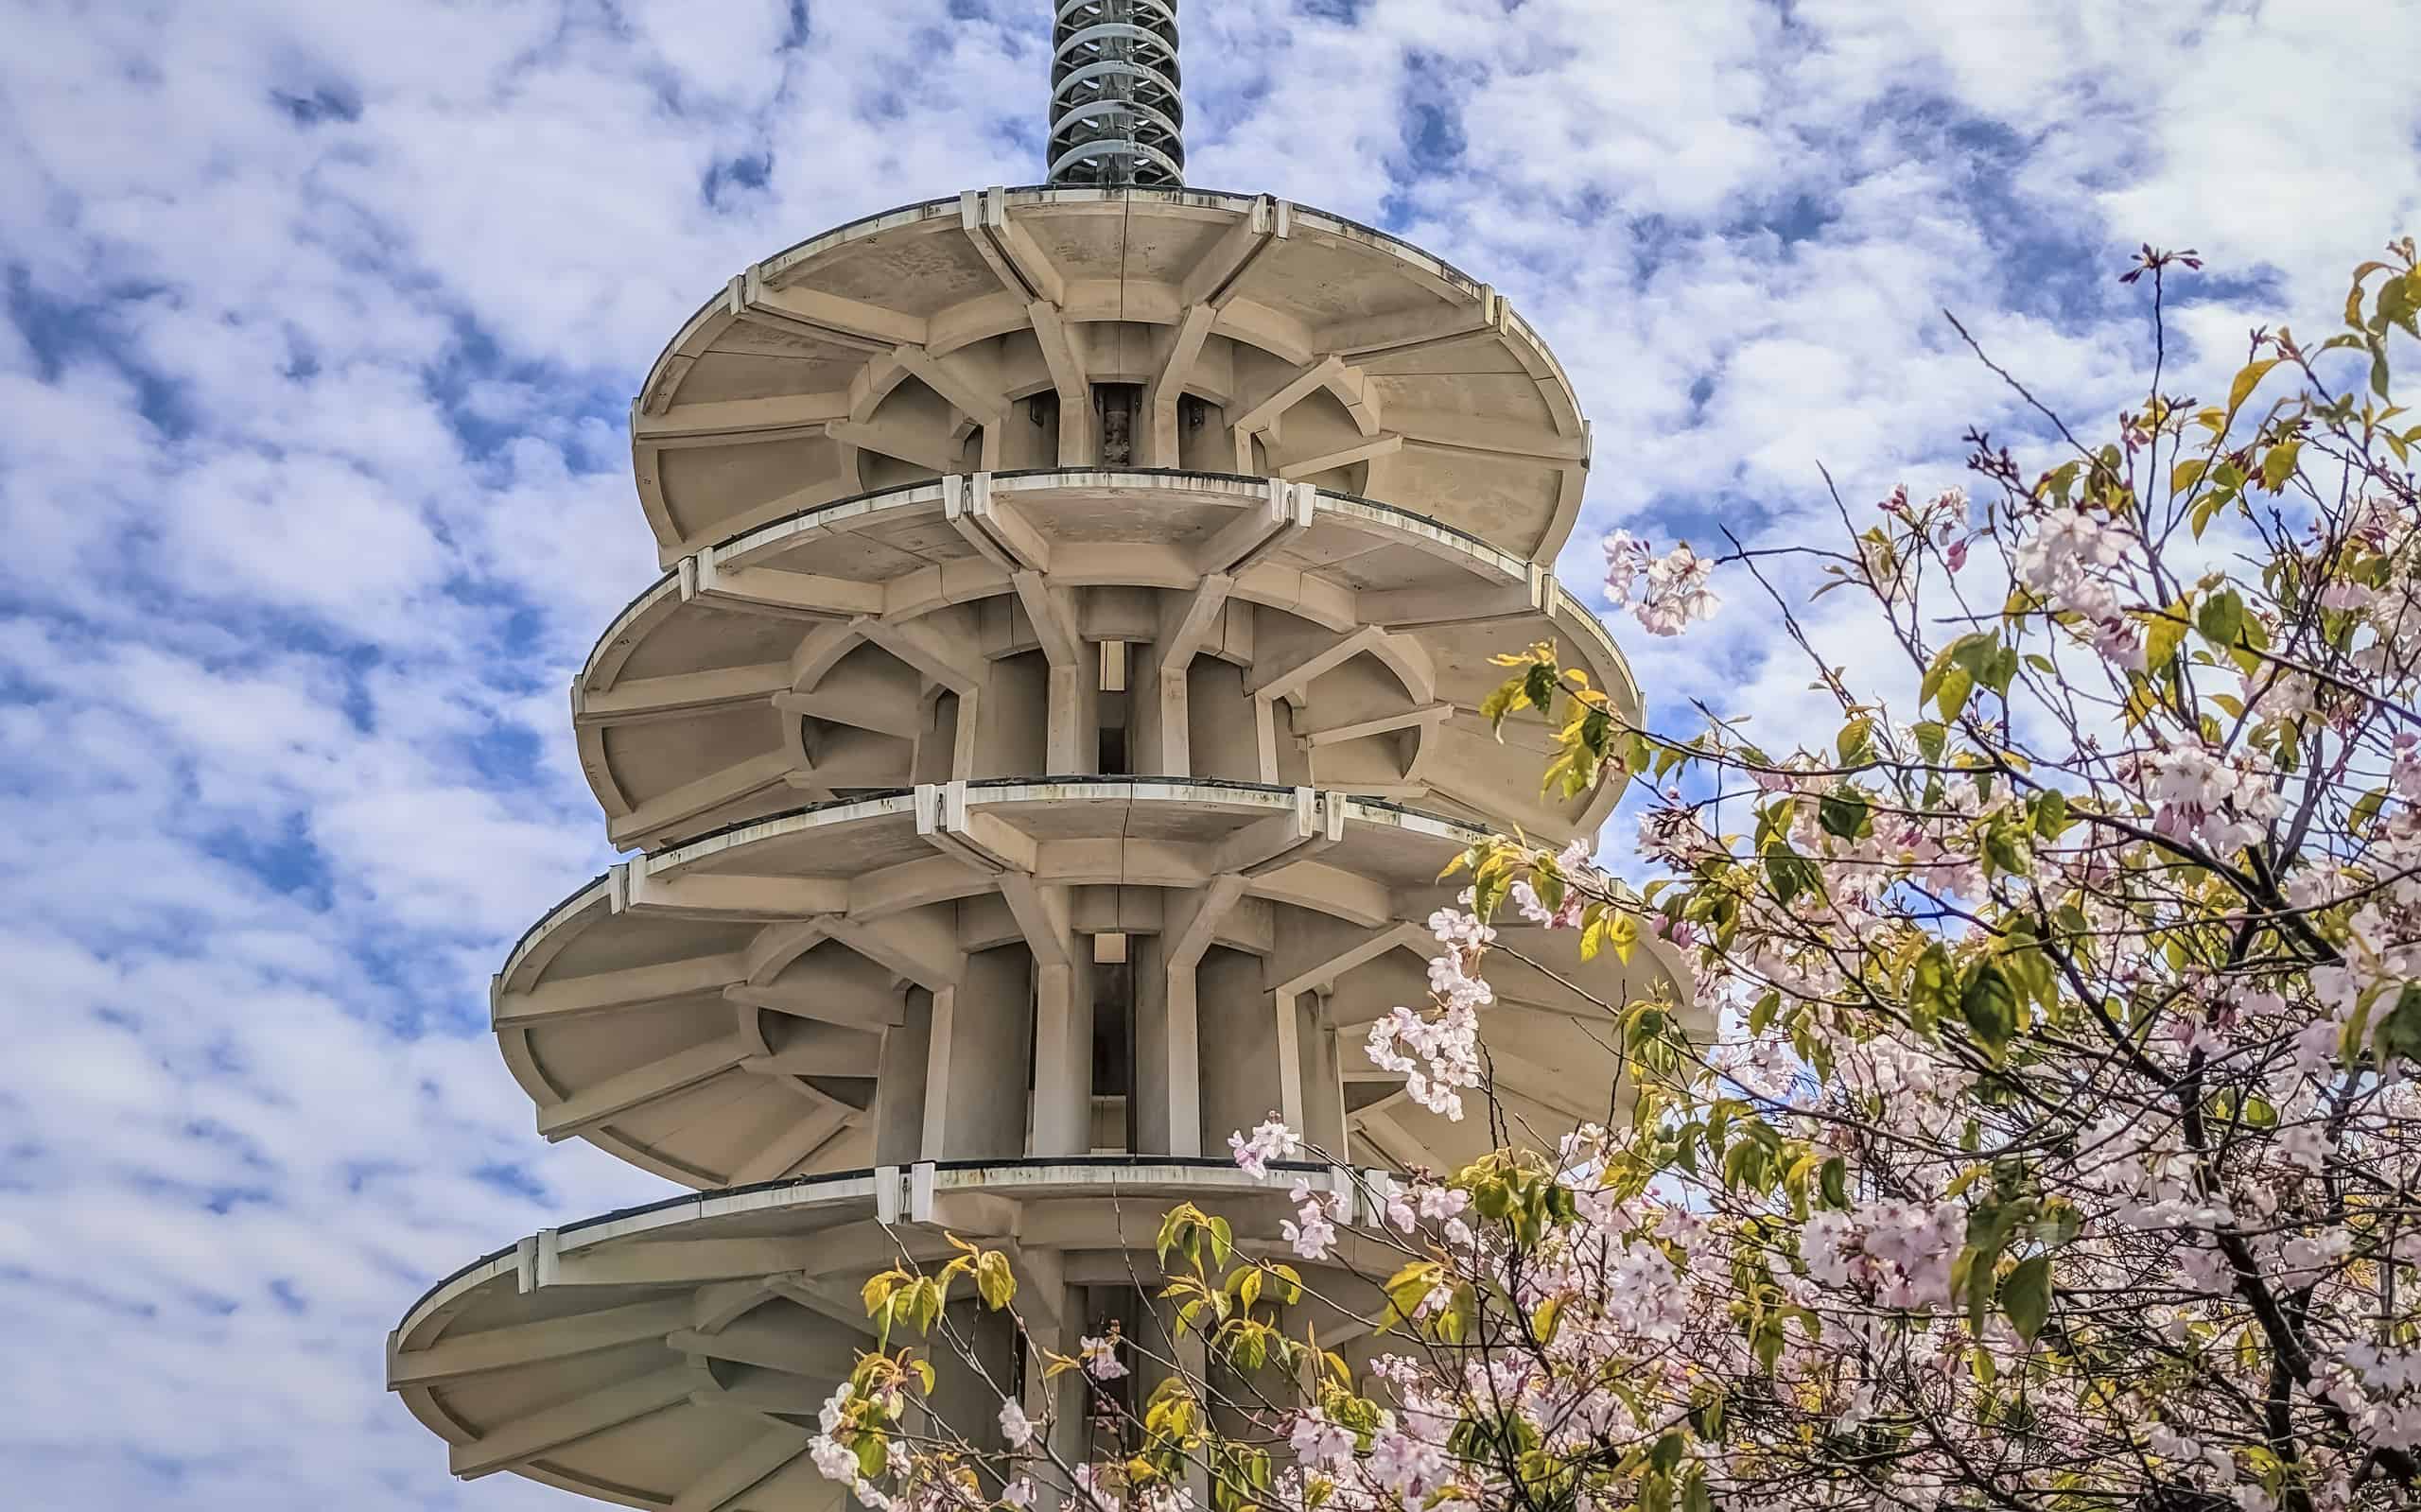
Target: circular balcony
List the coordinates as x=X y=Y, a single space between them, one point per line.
x=1167 y=328
x=675 y=1355
x=1046 y=968
x=1074 y=622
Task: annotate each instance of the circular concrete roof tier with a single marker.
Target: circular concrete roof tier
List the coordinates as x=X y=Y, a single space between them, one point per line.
x=987 y=971
x=1260 y=631
x=673 y=1357
x=1019 y=328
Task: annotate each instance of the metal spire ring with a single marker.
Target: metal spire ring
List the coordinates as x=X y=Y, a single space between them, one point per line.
x=1117 y=117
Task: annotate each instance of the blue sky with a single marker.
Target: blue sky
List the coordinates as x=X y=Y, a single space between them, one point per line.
x=320 y=323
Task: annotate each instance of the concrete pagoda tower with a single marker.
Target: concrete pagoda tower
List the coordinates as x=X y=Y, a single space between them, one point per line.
x=1038 y=759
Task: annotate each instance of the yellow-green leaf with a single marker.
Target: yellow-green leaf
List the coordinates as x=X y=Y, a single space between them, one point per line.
x=2247 y=380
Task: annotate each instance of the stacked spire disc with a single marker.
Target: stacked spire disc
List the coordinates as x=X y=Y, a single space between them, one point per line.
x=1117 y=111
x=1038 y=760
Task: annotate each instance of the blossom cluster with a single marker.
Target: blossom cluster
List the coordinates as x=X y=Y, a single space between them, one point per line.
x=1665 y=594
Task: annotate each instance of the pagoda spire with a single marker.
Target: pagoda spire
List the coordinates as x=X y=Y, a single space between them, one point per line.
x=1117 y=111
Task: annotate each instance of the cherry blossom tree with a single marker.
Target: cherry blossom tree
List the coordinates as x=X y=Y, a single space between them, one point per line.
x=2048 y=1136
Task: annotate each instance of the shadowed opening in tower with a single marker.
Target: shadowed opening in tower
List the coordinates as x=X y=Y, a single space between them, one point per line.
x=1111 y=758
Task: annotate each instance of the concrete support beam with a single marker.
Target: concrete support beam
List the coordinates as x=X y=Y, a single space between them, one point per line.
x=971 y=397
x=734 y=1477
x=1263 y=415
x=1419 y=716
x=837 y=1300
x=780 y=592
x=526 y=1439
x=1387 y=446
x=1188 y=620
x=1284 y=513
x=816 y=1127
x=909 y=443
x=1487 y=436
x=1162 y=447
x=1315 y=822
x=870 y=327
x=723 y=895
x=604 y=991
x=819 y=652
x=918 y=646
x=1174 y=1078
x=1397 y=1143
x=1291 y=679
x=767 y=1346
x=1077 y=445
x=779 y=418
x=992 y=526
x=982 y=841
x=740 y=780
x=921 y=947
x=1319 y=971
x=616 y=1095
x=466 y=1354
x=1052 y=612
x=656 y=698
x=804 y=1000
x=1014 y=257
x=827 y=1049
x=1211 y=280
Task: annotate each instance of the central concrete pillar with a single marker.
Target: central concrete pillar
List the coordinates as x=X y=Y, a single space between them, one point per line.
x=901 y=1069
x=1063 y=1060
x=982 y=1043
x=1238 y=1028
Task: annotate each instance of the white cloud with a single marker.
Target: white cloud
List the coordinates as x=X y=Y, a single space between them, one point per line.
x=321 y=320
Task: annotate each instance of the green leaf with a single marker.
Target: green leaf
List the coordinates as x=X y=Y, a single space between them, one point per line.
x=2247 y=380
x=2278 y=464
x=2400 y=1032
x=1951 y=699
x=2166 y=631
x=1790 y=873
x=1844 y=814
x=1989 y=1004
x=2025 y=1296
x=1931 y=737
x=994 y=1283
x=2221 y=619
x=2050 y=813
x=2366 y=810
x=1834 y=1181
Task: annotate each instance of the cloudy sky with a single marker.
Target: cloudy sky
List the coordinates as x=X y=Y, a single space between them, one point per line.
x=320 y=321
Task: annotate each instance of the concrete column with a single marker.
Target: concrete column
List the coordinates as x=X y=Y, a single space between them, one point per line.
x=975 y=1093
x=1073 y=737
x=937 y=742
x=1323 y=1081
x=1063 y=1057
x=1011 y=732
x=1170 y=706
x=1149 y=1116
x=1238 y=1028
x=1147 y=745
x=962 y=1398
x=900 y=1082
x=1059 y=1400
x=1220 y=721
